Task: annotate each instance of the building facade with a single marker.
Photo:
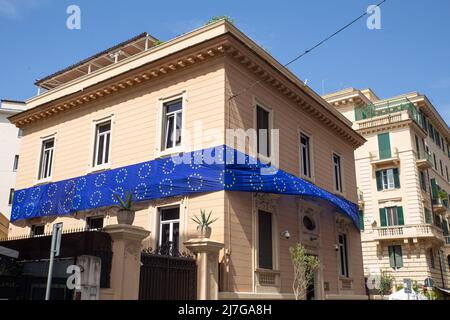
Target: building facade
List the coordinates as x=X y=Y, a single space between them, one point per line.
x=154 y=101
x=10 y=137
x=403 y=178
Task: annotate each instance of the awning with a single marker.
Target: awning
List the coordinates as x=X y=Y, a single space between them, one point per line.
x=207 y=170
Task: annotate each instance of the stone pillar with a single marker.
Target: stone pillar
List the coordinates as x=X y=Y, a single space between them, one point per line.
x=90 y=277
x=126 y=260
x=207 y=252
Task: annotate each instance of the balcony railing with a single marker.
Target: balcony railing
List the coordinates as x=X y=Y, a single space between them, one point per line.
x=447 y=240
x=387 y=112
x=377 y=160
x=424 y=160
x=410 y=231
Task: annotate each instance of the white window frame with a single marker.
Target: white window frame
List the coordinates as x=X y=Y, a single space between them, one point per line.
x=93 y=153
x=161 y=133
x=389 y=184
x=302 y=165
x=341 y=174
x=392 y=216
x=170 y=223
x=43 y=139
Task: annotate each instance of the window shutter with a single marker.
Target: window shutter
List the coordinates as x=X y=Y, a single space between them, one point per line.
x=383 y=220
x=384 y=146
x=396 y=178
x=391 y=256
x=428 y=218
x=445 y=227
x=379 y=181
x=401 y=219
x=361 y=220
x=434 y=188
x=398 y=256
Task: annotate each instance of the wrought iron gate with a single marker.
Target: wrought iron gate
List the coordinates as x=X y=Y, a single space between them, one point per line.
x=166 y=277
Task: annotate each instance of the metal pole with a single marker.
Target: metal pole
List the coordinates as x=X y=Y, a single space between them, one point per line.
x=50 y=266
x=54 y=251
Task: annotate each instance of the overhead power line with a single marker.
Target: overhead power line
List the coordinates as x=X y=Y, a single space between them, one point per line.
x=314 y=47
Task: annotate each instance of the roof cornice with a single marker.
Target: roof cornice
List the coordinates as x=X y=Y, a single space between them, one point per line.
x=232 y=44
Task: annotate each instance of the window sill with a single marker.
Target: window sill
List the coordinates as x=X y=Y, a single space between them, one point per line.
x=43 y=181
x=99 y=168
x=169 y=152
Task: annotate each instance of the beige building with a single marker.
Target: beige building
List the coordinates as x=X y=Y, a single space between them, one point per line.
x=117 y=109
x=403 y=178
x=4 y=225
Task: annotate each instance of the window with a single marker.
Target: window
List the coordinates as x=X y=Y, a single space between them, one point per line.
x=434 y=158
x=94 y=223
x=102 y=143
x=305 y=156
x=343 y=256
x=423 y=181
x=16 y=163
x=446 y=172
x=384 y=146
x=173 y=122
x=169 y=229
x=395 y=256
x=442 y=169
x=263 y=128
x=431 y=253
x=448 y=261
x=11 y=196
x=45 y=167
x=431 y=131
x=361 y=220
x=265 y=245
x=37 y=230
x=391 y=216
x=337 y=172
x=428 y=216
x=388 y=179
x=419 y=156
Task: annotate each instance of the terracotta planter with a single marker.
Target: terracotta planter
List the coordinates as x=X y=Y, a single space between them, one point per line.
x=204 y=232
x=125 y=217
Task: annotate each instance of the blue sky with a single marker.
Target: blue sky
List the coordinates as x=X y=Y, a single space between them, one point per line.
x=410 y=53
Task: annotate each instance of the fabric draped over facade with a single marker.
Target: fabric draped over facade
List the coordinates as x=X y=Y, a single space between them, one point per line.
x=207 y=170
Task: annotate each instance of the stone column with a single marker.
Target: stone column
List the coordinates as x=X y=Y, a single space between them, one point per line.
x=126 y=260
x=207 y=252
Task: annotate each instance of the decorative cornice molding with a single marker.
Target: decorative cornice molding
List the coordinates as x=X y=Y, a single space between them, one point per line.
x=225 y=45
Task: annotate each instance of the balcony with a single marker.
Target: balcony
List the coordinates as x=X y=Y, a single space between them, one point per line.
x=439 y=205
x=380 y=160
x=447 y=241
x=424 y=161
x=385 y=113
x=360 y=199
x=409 y=232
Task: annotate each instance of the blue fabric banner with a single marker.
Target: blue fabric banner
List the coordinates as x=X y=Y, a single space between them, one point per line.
x=207 y=170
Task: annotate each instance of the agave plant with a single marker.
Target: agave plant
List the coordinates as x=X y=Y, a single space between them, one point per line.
x=127 y=202
x=203 y=221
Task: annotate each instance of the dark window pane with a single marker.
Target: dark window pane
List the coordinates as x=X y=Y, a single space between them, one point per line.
x=169 y=131
x=104 y=127
x=101 y=143
x=165 y=234
x=262 y=126
x=170 y=214
x=265 y=240
x=108 y=138
x=173 y=106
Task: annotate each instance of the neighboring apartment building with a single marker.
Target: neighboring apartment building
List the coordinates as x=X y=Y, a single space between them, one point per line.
x=403 y=177
x=100 y=122
x=4 y=225
x=9 y=159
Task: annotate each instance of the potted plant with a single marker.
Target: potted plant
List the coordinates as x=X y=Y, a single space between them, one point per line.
x=203 y=223
x=126 y=214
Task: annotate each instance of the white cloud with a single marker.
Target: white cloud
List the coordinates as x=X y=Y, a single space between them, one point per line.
x=15 y=8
